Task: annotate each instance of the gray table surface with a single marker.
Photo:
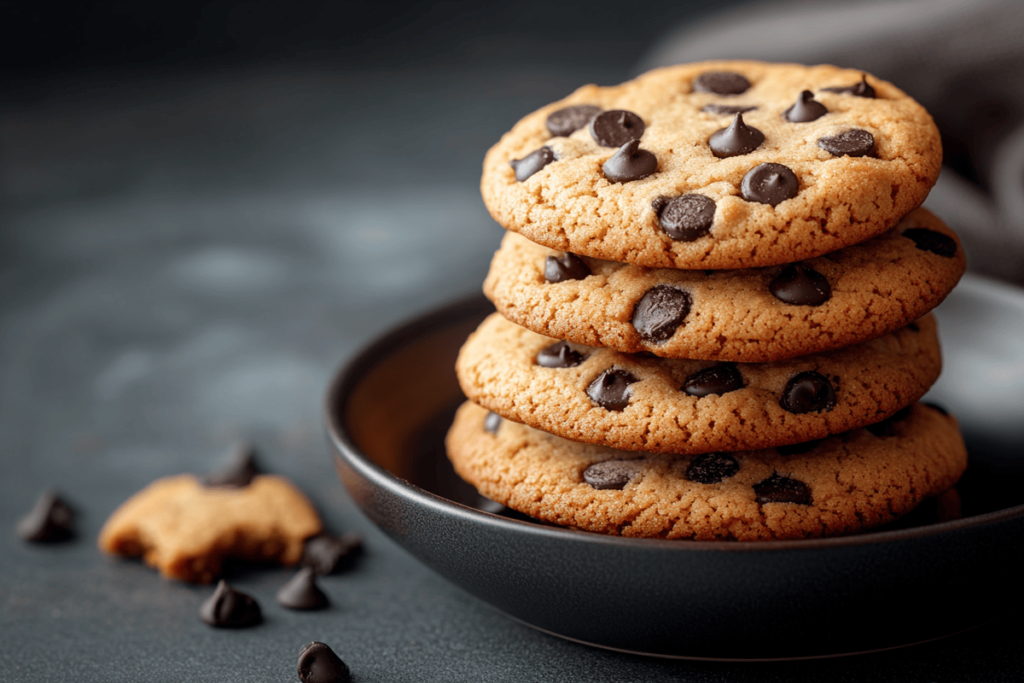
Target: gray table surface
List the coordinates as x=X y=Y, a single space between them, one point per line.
x=183 y=262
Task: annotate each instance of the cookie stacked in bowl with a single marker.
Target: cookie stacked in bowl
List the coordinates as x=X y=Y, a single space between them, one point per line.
x=713 y=308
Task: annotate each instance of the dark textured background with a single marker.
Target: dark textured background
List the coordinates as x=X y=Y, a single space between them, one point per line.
x=204 y=209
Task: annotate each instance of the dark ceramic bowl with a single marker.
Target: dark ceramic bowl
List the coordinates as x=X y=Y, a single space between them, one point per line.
x=387 y=413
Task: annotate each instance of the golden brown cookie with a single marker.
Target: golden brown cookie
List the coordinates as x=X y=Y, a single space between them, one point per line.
x=840 y=485
x=683 y=406
x=851 y=295
x=793 y=177
x=186 y=530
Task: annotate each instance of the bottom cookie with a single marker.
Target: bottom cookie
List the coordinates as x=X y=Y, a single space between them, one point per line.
x=839 y=485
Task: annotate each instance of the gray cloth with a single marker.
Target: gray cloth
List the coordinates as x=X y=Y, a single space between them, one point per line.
x=963 y=60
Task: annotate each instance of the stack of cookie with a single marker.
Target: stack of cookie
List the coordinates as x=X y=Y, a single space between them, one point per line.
x=713 y=307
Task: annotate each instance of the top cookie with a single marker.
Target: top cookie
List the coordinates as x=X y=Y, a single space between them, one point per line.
x=737 y=166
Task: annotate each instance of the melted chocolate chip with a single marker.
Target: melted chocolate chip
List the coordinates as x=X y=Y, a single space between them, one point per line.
x=727 y=109
x=808 y=392
x=737 y=139
x=327 y=554
x=711 y=468
x=238 y=469
x=685 y=218
x=610 y=474
x=492 y=422
x=565 y=267
x=612 y=389
x=799 y=285
x=228 y=608
x=930 y=240
x=50 y=520
x=721 y=83
x=769 y=184
x=850 y=143
x=301 y=592
x=935 y=406
x=559 y=355
x=630 y=163
x=806 y=109
x=319 y=664
x=798 y=448
x=660 y=311
x=861 y=89
x=532 y=162
x=713 y=381
x=616 y=127
x=568 y=120
x=779 y=489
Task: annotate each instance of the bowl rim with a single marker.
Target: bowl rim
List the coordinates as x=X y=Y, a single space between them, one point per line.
x=347 y=377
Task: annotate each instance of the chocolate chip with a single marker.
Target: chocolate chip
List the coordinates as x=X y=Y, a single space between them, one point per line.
x=612 y=389
x=616 y=127
x=50 y=520
x=660 y=311
x=930 y=240
x=728 y=109
x=799 y=285
x=568 y=120
x=301 y=592
x=685 y=218
x=737 y=139
x=713 y=381
x=565 y=267
x=862 y=89
x=850 y=143
x=559 y=355
x=610 y=474
x=806 y=109
x=769 y=184
x=630 y=163
x=721 y=83
x=798 y=448
x=327 y=554
x=319 y=664
x=808 y=392
x=228 y=608
x=711 y=468
x=237 y=470
x=492 y=422
x=532 y=162
x=935 y=406
x=779 y=489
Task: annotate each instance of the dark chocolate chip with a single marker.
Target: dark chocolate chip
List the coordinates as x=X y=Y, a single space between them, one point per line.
x=630 y=163
x=798 y=448
x=301 y=592
x=568 y=120
x=685 y=218
x=319 y=664
x=660 y=311
x=930 y=240
x=806 y=109
x=327 y=554
x=228 y=608
x=861 y=89
x=612 y=389
x=711 y=468
x=565 y=267
x=935 y=406
x=850 y=143
x=713 y=381
x=721 y=83
x=237 y=470
x=50 y=520
x=492 y=422
x=532 y=162
x=610 y=474
x=727 y=109
x=616 y=127
x=808 y=392
x=559 y=355
x=779 y=489
x=769 y=184
x=736 y=139
x=799 y=285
